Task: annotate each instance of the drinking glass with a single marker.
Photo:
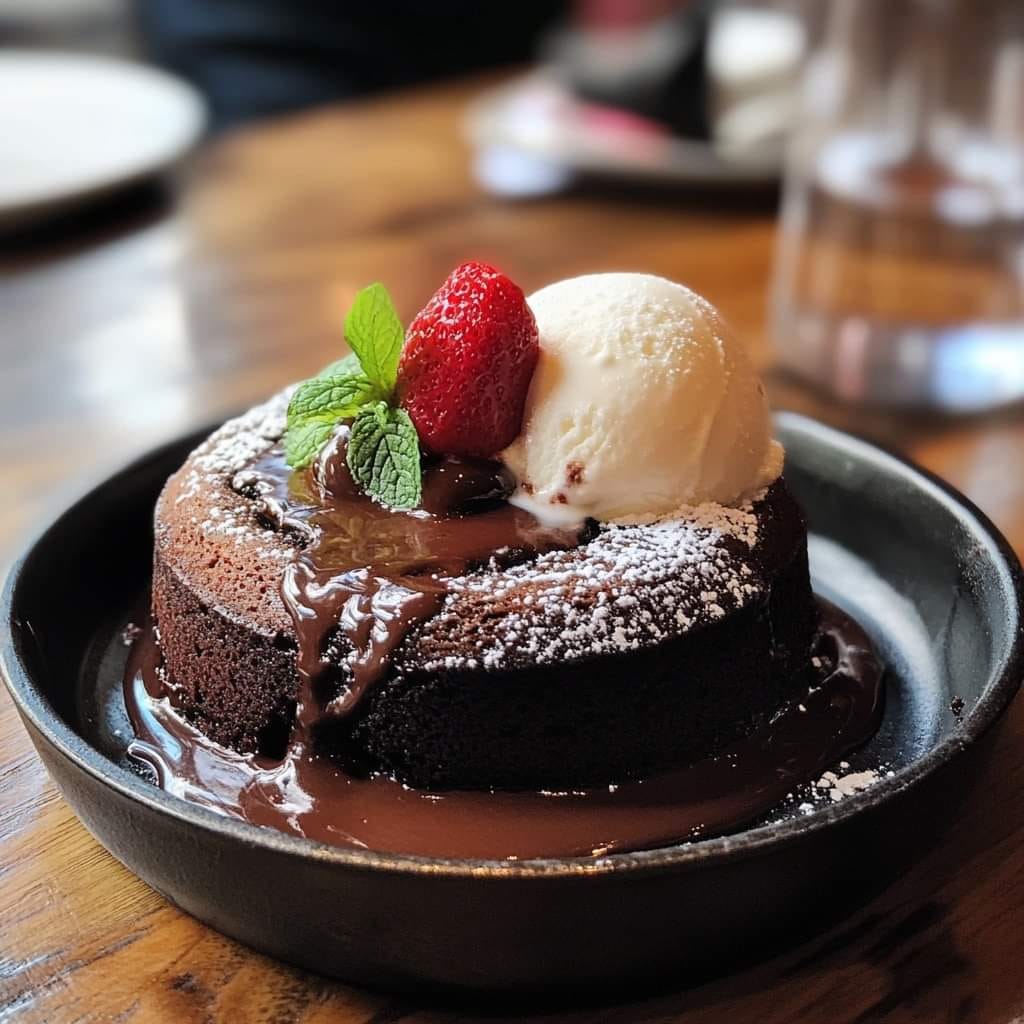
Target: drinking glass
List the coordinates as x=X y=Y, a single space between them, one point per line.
x=900 y=265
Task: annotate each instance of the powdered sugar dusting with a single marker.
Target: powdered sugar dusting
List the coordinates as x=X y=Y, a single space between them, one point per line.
x=629 y=588
x=225 y=452
x=234 y=445
x=838 y=784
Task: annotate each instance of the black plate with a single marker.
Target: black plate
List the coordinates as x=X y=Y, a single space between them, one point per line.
x=918 y=565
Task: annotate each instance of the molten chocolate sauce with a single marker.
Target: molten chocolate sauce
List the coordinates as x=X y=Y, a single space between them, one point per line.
x=307 y=794
x=371 y=572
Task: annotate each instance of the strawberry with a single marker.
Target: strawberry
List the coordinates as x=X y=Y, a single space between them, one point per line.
x=467 y=363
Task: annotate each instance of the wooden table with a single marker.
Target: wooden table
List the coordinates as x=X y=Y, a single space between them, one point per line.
x=131 y=333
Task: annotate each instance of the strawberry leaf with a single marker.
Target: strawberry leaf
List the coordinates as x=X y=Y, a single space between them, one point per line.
x=384 y=456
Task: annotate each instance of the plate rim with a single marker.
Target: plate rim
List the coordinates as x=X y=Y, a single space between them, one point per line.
x=37 y=713
x=190 y=100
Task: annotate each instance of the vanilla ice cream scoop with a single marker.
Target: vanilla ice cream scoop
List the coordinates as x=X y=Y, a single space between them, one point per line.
x=642 y=402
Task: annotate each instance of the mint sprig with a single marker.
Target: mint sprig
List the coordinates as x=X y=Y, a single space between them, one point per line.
x=384 y=455
x=383 y=448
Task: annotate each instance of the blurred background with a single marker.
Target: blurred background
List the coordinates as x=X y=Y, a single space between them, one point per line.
x=190 y=190
x=251 y=59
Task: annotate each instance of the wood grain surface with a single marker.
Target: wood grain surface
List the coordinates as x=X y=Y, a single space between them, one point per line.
x=148 y=319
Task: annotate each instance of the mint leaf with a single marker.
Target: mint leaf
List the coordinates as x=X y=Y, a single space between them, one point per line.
x=333 y=398
x=384 y=456
x=375 y=333
x=342 y=367
x=303 y=440
x=317 y=405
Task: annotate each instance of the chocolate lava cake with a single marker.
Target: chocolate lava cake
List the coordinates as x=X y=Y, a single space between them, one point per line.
x=627 y=650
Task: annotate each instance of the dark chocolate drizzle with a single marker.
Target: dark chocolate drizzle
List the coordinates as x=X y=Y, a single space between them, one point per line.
x=369 y=573
x=308 y=794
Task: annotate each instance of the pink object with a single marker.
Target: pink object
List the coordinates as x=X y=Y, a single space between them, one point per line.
x=614 y=14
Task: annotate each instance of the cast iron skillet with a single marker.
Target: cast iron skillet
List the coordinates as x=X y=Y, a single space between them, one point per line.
x=926 y=573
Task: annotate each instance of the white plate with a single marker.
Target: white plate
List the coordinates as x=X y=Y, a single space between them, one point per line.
x=74 y=127
x=536 y=117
